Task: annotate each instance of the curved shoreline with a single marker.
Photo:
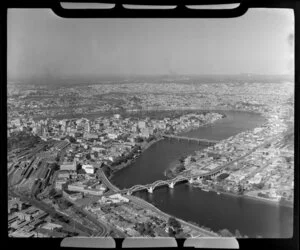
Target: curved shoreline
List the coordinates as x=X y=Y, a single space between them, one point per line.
x=213 y=110
x=196 y=227
x=131 y=161
x=173 y=172
x=149 y=144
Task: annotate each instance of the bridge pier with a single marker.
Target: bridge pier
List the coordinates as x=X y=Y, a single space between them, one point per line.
x=171 y=185
x=150 y=190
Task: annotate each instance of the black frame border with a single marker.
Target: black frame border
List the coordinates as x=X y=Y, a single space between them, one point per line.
x=119 y=12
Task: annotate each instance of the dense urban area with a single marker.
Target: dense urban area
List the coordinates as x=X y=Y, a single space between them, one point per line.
x=66 y=141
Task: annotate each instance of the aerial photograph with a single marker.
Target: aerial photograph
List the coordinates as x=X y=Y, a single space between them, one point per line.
x=142 y=127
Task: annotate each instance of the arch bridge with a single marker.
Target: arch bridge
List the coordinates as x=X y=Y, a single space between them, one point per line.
x=170 y=183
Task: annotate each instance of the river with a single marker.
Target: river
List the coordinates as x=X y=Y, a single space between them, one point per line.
x=251 y=217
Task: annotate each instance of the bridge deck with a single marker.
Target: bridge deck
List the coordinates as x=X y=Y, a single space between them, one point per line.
x=168 y=182
x=190 y=138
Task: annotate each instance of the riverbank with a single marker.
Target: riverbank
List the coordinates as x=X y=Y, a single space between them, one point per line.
x=274 y=202
x=202 y=125
x=131 y=161
x=178 y=167
x=206 y=232
x=247 y=196
x=208 y=109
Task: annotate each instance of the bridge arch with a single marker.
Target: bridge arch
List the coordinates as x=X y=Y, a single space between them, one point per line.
x=136 y=188
x=159 y=183
x=171 y=182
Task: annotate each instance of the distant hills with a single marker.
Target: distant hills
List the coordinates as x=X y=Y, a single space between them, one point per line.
x=245 y=77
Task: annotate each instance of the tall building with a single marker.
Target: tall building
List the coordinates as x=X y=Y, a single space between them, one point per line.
x=71 y=166
x=141 y=124
x=45 y=132
x=89 y=169
x=87 y=127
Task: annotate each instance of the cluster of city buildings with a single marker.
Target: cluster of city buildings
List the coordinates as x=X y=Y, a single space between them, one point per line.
x=82 y=99
x=74 y=150
x=88 y=185
x=127 y=216
x=263 y=164
x=106 y=139
x=26 y=221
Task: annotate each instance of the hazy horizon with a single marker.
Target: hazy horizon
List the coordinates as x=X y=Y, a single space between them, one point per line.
x=44 y=46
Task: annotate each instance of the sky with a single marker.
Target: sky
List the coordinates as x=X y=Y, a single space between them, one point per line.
x=41 y=44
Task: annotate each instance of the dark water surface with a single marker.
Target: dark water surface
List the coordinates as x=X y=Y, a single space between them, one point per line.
x=251 y=217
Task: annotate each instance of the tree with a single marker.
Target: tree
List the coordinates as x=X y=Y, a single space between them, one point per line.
x=238 y=234
x=262 y=195
x=107 y=170
x=180 y=168
x=63 y=204
x=81 y=171
x=171 y=130
x=171 y=232
x=180 y=234
x=206 y=178
x=181 y=159
x=145 y=229
x=78 y=166
x=222 y=176
x=72 y=139
x=55 y=166
x=259 y=185
x=52 y=192
x=225 y=233
x=57 y=158
x=172 y=222
x=240 y=189
x=139 y=139
x=193 y=159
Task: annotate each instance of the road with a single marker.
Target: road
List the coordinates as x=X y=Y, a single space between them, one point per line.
x=103 y=228
x=79 y=227
x=104 y=224
x=107 y=182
